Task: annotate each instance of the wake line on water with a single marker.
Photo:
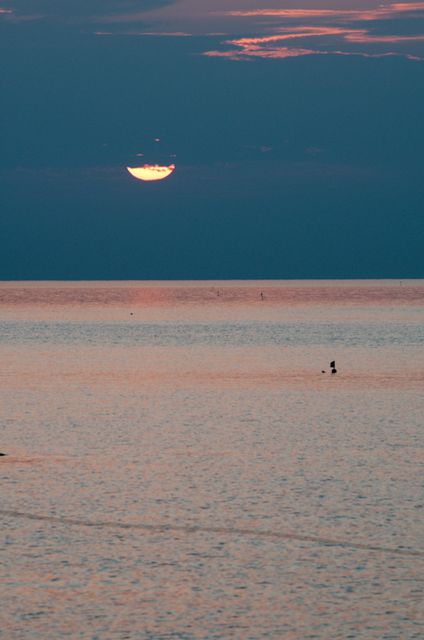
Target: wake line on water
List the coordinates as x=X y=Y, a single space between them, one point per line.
x=259 y=533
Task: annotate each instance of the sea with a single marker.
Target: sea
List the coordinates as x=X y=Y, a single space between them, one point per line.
x=182 y=464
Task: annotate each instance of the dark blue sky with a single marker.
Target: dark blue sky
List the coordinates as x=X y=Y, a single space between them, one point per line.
x=297 y=137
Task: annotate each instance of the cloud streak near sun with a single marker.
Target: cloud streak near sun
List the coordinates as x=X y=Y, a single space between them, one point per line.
x=291 y=33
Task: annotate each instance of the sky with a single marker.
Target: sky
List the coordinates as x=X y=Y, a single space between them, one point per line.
x=295 y=129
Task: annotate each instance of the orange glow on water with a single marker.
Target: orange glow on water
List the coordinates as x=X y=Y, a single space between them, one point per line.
x=149 y=172
x=173 y=453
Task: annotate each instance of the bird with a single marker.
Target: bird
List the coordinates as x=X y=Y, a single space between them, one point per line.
x=333 y=366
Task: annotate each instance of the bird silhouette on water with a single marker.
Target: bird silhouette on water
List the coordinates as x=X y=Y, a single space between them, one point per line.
x=332 y=366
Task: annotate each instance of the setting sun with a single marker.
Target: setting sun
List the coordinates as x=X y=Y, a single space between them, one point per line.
x=151 y=172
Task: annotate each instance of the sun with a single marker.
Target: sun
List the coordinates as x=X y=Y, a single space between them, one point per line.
x=150 y=172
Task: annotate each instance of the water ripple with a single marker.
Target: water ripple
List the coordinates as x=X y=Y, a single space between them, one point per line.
x=244 y=531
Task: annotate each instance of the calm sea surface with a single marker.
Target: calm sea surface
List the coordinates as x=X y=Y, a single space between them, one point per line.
x=179 y=467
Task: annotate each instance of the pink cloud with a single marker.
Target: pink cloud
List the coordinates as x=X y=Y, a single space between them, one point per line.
x=363 y=36
x=296 y=52
x=407 y=6
x=344 y=32
x=349 y=14
x=133 y=32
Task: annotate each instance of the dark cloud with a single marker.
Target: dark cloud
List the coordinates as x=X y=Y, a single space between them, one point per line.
x=79 y=10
